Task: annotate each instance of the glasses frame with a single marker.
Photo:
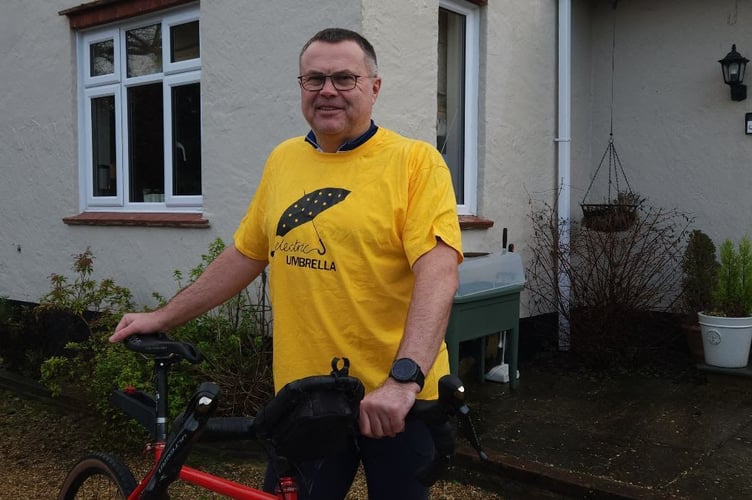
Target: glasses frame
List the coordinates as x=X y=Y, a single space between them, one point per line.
x=303 y=81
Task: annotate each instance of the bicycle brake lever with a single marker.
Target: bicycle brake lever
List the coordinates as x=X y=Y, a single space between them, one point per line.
x=468 y=429
x=452 y=392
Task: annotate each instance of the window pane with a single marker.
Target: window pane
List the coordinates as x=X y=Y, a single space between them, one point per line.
x=146 y=148
x=144 y=49
x=184 y=43
x=103 y=145
x=186 y=139
x=451 y=96
x=101 y=58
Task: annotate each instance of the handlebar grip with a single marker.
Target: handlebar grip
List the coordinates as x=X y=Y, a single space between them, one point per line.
x=220 y=429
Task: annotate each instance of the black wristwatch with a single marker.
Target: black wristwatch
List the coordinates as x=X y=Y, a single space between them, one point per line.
x=405 y=370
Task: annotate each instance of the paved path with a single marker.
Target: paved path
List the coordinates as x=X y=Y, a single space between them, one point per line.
x=626 y=436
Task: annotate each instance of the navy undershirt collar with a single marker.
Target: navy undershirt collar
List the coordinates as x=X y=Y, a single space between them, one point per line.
x=349 y=145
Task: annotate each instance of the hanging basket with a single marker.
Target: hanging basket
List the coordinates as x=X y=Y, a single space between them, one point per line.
x=609 y=217
x=615 y=214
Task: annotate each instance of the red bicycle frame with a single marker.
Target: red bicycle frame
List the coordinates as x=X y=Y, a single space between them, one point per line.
x=226 y=487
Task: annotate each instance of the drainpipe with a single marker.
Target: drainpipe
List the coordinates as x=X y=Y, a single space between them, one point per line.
x=563 y=142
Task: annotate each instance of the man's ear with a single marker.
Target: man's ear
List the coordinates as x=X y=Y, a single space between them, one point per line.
x=376 y=88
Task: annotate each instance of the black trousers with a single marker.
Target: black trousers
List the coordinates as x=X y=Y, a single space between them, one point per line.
x=390 y=466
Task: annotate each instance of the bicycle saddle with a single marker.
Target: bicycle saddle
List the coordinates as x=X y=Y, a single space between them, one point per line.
x=160 y=345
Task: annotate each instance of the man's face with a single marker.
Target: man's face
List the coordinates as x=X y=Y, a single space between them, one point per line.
x=337 y=116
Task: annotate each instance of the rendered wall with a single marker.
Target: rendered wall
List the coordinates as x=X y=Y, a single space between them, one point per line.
x=679 y=135
x=250 y=102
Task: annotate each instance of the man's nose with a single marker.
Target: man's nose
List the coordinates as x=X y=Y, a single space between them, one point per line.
x=329 y=85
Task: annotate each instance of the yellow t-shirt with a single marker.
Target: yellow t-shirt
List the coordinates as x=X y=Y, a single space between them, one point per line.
x=341 y=232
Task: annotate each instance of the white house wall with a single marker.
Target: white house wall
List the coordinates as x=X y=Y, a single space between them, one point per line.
x=37 y=146
x=679 y=135
x=517 y=158
x=249 y=103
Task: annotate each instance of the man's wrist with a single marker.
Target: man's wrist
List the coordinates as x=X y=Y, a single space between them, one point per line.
x=407 y=371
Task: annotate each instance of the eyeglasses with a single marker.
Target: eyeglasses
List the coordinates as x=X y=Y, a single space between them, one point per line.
x=340 y=81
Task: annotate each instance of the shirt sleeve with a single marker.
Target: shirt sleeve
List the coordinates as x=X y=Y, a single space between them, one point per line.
x=251 y=238
x=432 y=205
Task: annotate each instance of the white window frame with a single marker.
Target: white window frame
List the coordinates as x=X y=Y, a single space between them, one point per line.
x=471 y=13
x=117 y=84
x=86 y=171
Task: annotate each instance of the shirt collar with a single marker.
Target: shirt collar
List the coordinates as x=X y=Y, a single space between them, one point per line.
x=349 y=145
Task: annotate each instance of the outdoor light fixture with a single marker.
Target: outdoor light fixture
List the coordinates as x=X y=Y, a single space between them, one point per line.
x=733 y=67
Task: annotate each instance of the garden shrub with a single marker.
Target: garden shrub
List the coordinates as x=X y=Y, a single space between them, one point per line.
x=23 y=345
x=617 y=283
x=234 y=338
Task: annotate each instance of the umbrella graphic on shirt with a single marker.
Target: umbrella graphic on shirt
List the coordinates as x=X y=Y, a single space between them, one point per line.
x=305 y=209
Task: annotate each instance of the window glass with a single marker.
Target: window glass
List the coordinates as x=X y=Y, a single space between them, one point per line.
x=144 y=50
x=103 y=145
x=102 y=58
x=145 y=136
x=457 y=89
x=184 y=42
x=186 y=140
x=451 y=96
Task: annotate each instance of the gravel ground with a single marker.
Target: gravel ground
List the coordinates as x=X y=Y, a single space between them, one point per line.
x=39 y=443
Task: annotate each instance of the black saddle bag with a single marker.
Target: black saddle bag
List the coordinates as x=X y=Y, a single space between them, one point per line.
x=312 y=417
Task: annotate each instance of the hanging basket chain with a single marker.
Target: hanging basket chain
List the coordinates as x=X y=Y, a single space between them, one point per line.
x=620 y=209
x=614 y=162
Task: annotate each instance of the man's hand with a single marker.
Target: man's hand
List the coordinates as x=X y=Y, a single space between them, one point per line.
x=383 y=411
x=226 y=276
x=133 y=323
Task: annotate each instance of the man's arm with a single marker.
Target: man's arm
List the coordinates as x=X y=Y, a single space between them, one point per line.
x=382 y=412
x=226 y=276
x=436 y=282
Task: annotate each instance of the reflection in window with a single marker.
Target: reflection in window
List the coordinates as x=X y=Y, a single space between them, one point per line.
x=101 y=58
x=186 y=139
x=145 y=139
x=144 y=50
x=450 y=96
x=103 y=145
x=184 y=42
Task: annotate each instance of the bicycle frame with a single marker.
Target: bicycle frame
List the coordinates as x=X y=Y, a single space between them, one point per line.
x=154 y=414
x=217 y=484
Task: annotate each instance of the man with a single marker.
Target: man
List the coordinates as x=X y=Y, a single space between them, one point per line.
x=359 y=228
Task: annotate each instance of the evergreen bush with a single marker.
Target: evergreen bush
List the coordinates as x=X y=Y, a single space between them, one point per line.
x=732 y=294
x=700 y=273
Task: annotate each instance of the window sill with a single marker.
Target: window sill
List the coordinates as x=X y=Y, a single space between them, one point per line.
x=159 y=219
x=475 y=222
x=152 y=219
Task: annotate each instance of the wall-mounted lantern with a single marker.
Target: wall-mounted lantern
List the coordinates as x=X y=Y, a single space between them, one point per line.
x=733 y=67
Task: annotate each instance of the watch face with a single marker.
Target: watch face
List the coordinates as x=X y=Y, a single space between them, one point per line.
x=404 y=369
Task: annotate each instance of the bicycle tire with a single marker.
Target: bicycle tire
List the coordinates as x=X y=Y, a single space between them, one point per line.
x=99 y=475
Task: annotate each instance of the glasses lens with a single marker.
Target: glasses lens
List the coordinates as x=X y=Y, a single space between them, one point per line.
x=344 y=82
x=317 y=82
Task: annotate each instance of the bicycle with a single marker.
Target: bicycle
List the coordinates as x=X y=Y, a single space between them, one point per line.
x=323 y=406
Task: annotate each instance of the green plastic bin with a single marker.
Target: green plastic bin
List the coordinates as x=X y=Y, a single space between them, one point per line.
x=483 y=308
